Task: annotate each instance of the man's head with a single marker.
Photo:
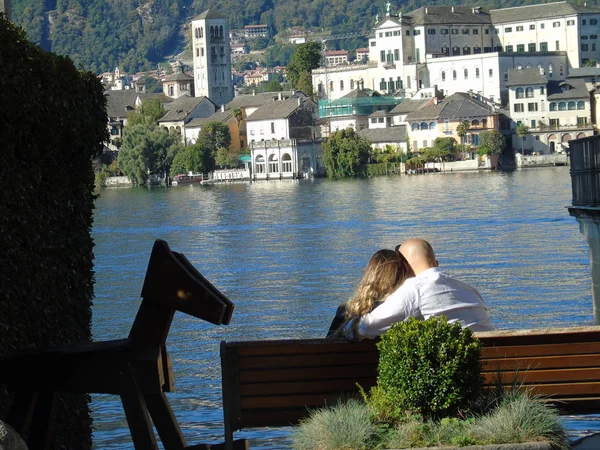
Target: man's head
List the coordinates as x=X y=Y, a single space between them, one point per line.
x=419 y=254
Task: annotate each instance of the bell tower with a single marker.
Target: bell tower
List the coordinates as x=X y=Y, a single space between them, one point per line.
x=212 y=57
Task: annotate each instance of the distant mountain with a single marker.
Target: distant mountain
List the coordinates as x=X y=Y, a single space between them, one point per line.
x=138 y=34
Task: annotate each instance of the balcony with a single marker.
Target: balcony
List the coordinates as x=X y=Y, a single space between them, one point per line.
x=389 y=65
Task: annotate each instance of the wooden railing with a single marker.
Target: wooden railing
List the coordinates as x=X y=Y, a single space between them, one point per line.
x=585 y=171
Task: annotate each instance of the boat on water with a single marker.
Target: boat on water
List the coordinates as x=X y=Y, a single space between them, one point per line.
x=187 y=179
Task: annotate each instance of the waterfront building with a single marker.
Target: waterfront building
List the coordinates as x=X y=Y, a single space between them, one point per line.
x=212 y=57
x=459 y=48
x=254 y=31
x=555 y=111
x=194 y=126
x=285 y=159
x=336 y=57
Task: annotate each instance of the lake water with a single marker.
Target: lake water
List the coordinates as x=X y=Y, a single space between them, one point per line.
x=288 y=252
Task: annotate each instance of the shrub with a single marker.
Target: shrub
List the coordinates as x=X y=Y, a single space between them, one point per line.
x=521 y=417
x=344 y=426
x=429 y=367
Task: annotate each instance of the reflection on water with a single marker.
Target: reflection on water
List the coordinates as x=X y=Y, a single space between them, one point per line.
x=288 y=252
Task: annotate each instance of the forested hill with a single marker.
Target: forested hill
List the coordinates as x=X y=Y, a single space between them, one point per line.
x=137 y=34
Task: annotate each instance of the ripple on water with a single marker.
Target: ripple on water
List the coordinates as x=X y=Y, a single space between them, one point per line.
x=287 y=253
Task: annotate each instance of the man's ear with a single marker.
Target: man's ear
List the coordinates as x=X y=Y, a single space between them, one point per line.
x=437 y=264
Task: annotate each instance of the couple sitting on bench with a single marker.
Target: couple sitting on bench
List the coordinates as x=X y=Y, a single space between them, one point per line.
x=406 y=282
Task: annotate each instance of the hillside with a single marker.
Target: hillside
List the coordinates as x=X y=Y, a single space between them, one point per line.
x=138 y=34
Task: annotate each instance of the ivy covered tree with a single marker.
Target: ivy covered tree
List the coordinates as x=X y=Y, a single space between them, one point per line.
x=147 y=149
x=305 y=59
x=305 y=85
x=346 y=154
x=491 y=143
x=148 y=112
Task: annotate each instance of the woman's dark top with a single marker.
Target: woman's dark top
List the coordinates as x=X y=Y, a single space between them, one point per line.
x=336 y=329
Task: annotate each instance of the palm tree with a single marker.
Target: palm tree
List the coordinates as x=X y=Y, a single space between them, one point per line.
x=462 y=130
x=522 y=132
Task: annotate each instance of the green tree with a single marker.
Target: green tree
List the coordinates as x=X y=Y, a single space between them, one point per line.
x=215 y=135
x=148 y=112
x=305 y=84
x=462 y=130
x=522 y=132
x=491 y=143
x=445 y=148
x=197 y=158
x=147 y=149
x=305 y=59
x=227 y=158
x=590 y=63
x=274 y=85
x=346 y=154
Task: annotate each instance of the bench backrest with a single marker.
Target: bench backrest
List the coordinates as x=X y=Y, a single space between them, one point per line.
x=273 y=383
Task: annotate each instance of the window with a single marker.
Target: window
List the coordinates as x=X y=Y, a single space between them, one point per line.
x=532 y=27
x=520 y=28
x=432 y=125
x=443 y=76
x=550 y=71
x=487 y=31
x=455 y=51
x=543 y=46
x=447 y=124
x=390 y=84
x=388 y=33
x=477 y=73
x=382 y=84
x=416 y=32
x=529 y=92
x=521 y=48
x=508 y=30
x=594 y=47
x=584 y=47
x=341 y=85
x=581 y=121
x=542 y=90
x=532 y=125
x=593 y=21
x=272 y=127
x=561 y=70
x=465 y=31
x=407 y=82
x=380 y=35
x=444 y=31
x=466 y=73
x=396 y=54
x=475 y=31
x=407 y=32
x=454 y=30
x=373 y=119
x=477 y=49
x=542 y=25
x=382 y=56
x=454 y=74
x=555 y=123
x=445 y=50
x=552 y=106
x=466 y=50
x=491 y=73
x=531 y=47
x=415 y=127
x=425 y=144
x=570 y=23
x=431 y=31
x=562 y=106
x=331 y=86
x=424 y=126
x=581 y=104
x=532 y=107
x=555 y=24
x=399 y=83
x=518 y=107
x=509 y=48
x=557 y=45
x=593 y=36
x=351 y=85
x=572 y=106
x=520 y=93
x=373 y=43
x=286 y=163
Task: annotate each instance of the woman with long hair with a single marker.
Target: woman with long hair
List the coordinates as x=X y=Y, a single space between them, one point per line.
x=385 y=272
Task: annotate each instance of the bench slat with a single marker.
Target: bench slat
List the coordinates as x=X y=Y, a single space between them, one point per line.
x=308 y=373
x=550 y=362
x=303 y=360
x=581 y=348
x=310 y=386
x=543 y=376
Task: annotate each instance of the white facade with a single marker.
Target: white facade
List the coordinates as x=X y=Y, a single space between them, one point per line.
x=420 y=50
x=271 y=129
x=212 y=57
x=274 y=160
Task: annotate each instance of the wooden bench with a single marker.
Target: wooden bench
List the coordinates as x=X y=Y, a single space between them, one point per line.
x=137 y=368
x=275 y=383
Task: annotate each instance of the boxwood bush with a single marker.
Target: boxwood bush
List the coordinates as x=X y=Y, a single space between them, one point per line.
x=53 y=123
x=431 y=368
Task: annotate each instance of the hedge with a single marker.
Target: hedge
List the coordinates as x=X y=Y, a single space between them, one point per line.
x=53 y=123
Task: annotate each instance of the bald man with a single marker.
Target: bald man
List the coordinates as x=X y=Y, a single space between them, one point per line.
x=430 y=293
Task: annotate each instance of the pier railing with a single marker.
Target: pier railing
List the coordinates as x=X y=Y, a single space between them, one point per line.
x=585 y=171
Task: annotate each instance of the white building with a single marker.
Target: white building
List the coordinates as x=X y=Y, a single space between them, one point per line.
x=460 y=49
x=212 y=57
x=554 y=111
